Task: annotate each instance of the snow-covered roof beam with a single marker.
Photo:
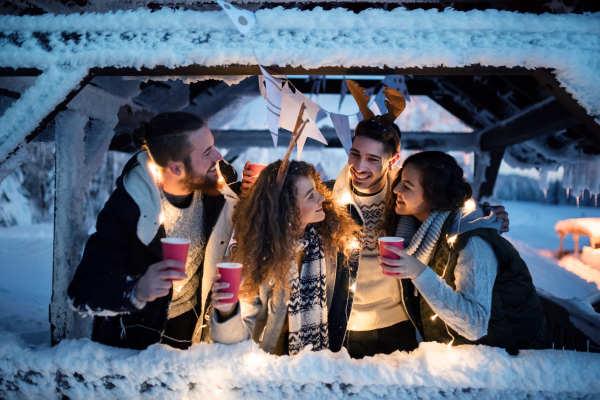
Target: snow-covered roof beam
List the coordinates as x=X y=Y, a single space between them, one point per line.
x=300 y=41
x=541 y=119
x=446 y=141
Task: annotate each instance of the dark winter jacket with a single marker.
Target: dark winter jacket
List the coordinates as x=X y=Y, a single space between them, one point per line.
x=126 y=243
x=517 y=319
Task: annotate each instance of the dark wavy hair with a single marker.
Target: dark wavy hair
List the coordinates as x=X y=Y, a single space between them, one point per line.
x=381 y=131
x=166 y=137
x=442 y=179
x=267 y=226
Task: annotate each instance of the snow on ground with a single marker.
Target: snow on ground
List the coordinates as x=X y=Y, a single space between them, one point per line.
x=532 y=233
x=26 y=284
x=83 y=369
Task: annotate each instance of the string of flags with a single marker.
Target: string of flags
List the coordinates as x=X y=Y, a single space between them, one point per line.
x=283 y=103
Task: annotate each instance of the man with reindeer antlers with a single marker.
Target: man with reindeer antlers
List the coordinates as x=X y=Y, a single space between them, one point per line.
x=371 y=313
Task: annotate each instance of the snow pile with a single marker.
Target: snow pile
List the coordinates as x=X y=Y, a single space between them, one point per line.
x=551 y=277
x=581 y=226
x=581 y=269
x=14 y=207
x=83 y=369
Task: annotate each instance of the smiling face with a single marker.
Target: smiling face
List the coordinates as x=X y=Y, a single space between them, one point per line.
x=204 y=157
x=409 y=195
x=369 y=164
x=310 y=202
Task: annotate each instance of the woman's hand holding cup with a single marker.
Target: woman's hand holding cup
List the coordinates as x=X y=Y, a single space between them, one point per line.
x=218 y=296
x=406 y=267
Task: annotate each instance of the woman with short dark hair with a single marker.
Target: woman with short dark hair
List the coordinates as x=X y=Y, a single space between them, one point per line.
x=474 y=287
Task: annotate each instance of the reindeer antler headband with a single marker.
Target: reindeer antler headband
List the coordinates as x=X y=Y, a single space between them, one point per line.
x=285 y=164
x=395 y=103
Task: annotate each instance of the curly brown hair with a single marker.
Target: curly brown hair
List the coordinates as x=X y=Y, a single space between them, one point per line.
x=267 y=226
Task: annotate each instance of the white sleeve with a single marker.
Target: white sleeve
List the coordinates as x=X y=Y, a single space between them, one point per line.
x=237 y=328
x=467 y=310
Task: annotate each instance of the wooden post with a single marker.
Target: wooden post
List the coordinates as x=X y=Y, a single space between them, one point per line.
x=80 y=147
x=561 y=249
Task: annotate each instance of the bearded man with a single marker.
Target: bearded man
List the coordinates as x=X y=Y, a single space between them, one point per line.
x=173 y=188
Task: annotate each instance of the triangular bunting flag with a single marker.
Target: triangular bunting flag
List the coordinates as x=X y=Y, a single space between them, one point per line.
x=380 y=101
x=273 y=91
x=342 y=128
x=343 y=93
x=398 y=83
x=262 y=86
x=290 y=107
x=244 y=20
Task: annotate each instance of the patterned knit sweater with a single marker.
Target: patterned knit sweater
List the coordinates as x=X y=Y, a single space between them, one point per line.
x=377 y=302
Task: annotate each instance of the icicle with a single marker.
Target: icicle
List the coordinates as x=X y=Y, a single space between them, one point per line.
x=567 y=193
x=595 y=200
x=545 y=194
x=577 y=199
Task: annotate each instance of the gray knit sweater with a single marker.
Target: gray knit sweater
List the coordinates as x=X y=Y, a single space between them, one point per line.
x=468 y=309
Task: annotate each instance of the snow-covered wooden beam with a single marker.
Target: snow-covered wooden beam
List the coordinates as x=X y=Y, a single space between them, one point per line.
x=546 y=117
x=547 y=78
x=446 y=141
x=310 y=40
x=35 y=108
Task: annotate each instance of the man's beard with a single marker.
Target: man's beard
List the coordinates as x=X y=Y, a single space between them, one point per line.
x=205 y=184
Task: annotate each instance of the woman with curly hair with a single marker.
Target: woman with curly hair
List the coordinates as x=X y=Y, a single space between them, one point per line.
x=291 y=242
x=474 y=287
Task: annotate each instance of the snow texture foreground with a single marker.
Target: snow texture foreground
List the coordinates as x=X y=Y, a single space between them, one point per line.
x=84 y=369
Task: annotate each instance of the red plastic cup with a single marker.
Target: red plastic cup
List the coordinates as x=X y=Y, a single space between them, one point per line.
x=256 y=168
x=397 y=242
x=175 y=249
x=232 y=274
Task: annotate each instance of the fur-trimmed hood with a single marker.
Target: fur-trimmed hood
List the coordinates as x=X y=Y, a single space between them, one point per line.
x=141 y=185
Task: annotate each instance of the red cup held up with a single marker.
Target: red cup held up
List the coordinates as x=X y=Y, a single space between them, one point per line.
x=396 y=242
x=232 y=274
x=256 y=168
x=176 y=249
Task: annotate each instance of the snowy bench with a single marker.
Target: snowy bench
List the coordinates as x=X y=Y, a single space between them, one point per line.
x=579 y=226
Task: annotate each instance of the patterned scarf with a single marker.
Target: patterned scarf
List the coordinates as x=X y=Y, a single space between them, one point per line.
x=307 y=308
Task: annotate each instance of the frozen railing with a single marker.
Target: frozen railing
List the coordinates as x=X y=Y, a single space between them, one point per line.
x=572 y=324
x=80 y=369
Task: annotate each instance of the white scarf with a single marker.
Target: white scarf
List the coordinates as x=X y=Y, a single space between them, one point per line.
x=307 y=308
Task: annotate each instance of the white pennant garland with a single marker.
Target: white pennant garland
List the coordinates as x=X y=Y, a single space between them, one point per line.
x=243 y=20
x=290 y=108
x=273 y=92
x=398 y=83
x=341 y=124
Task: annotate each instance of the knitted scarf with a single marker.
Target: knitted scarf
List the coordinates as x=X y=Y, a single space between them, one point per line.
x=307 y=308
x=423 y=242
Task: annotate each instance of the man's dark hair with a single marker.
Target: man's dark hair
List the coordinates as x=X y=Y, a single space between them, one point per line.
x=166 y=137
x=381 y=131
